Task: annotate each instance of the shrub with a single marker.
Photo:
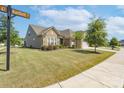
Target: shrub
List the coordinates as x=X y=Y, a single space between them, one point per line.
x=61 y=46
x=55 y=47
x=73 y=46
x=44 y=47
x=50 y=47
x=30 y=46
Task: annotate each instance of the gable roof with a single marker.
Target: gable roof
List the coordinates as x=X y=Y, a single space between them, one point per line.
x=39 y=30
x=67 y=33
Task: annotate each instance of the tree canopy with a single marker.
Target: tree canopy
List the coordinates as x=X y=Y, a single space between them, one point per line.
x=78 y=35
x=14 y=35
x=114 y=42
x=96 y=33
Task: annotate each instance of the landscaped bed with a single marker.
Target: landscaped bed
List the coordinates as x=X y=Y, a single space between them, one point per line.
x=35 y=68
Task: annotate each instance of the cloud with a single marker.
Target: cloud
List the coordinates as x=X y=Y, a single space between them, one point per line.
x=115 y=26
x=40 y=7
x=76 y=18
x=73 y=18
x=120 y=7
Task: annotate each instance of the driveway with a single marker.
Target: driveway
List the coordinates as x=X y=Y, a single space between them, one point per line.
x=108 y=74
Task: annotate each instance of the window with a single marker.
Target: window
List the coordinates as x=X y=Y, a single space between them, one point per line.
x=33 y=39
x=55 y=41
x=49 y=40
x=52 y=41
x=29 y=33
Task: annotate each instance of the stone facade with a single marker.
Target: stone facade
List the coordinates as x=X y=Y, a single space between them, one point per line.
x=51 y=38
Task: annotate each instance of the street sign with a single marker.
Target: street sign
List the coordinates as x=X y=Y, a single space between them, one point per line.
x=20 y=13
x=15 y=12
x=3 y=8
x=10 y=12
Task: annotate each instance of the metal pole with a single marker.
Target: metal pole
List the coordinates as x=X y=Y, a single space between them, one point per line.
x=8 y=37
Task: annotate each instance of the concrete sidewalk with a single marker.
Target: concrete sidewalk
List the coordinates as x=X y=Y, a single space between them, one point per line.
x=108 y=74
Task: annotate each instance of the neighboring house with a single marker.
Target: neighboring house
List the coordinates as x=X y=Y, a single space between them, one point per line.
x=122 y=42
x=68 y=39
x=38 y=36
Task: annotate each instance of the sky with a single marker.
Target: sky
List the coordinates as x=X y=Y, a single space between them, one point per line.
x=72 y=17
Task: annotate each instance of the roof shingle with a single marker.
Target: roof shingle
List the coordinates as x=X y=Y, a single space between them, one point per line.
x=38 y=29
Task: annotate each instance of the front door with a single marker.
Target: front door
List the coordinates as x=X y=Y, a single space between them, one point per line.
x=61 y=41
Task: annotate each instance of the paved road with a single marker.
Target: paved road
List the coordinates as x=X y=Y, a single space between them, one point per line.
x=108 y=74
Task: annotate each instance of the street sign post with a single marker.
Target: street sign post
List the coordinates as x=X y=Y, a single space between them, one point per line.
x=10 y=11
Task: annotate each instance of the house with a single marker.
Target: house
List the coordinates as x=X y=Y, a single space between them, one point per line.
x=38 y=36
x=122 y=42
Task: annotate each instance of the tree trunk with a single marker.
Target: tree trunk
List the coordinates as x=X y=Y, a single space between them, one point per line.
x=112 y=47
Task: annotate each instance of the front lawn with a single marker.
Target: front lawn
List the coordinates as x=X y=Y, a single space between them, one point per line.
x=35 y=68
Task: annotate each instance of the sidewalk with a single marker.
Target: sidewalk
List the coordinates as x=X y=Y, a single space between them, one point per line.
x=108 y=74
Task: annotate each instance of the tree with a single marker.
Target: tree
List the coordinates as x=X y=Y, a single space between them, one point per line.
x=114 y=42
x=2 y=28
x=14 y=35
x=14 y=38
x=79 y=35
x=96 y=34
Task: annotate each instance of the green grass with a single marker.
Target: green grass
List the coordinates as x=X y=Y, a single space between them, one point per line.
x=35 y=68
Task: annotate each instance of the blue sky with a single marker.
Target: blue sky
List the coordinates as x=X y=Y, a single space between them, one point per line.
x=73 y=17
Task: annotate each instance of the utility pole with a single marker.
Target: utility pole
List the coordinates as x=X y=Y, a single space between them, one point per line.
x=9 y=10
